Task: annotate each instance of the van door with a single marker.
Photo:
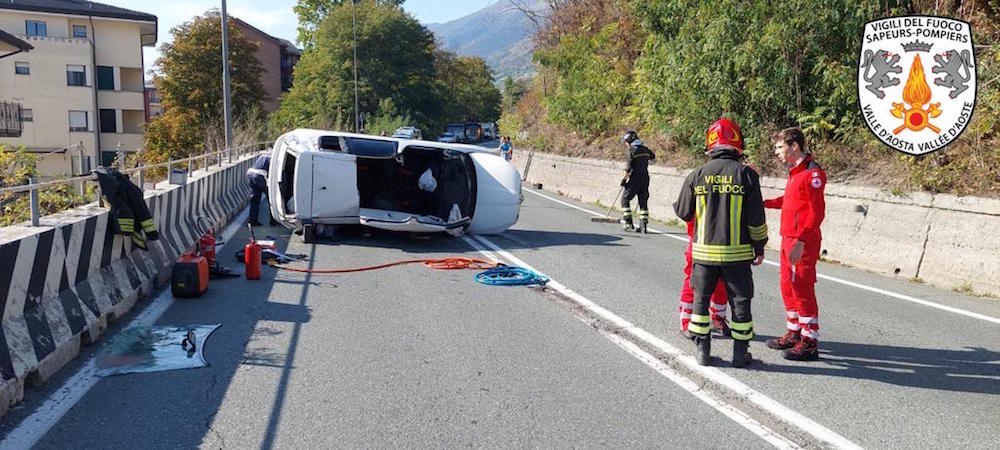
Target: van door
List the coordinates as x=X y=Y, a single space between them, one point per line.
x=281 y=183
x=403 y=221
x=334 y=188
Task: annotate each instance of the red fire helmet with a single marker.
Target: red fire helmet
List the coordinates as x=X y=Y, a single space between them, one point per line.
x=724 y=132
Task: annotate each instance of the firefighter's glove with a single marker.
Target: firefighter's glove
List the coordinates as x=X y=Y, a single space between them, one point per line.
x=624 y=182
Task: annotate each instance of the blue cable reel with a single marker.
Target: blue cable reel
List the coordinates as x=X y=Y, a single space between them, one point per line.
x=510 y=276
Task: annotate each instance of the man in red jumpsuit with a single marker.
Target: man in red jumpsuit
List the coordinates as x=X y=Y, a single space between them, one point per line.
x=802 y=210
x=720 y=298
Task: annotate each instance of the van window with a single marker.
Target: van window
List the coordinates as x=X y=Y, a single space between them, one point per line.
x=371 y=148
x=287 y=183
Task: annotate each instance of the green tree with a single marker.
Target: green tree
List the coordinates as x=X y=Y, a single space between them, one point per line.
x=467 y=89
x=592 y=79
x=192 y=69
x=765 y=64
x=312 y=12
x=396 y=62
x=512 y=92
x=16 y=167
x=191 y=85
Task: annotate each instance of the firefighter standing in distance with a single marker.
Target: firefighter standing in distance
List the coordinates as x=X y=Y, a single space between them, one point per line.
x=257 y=178
x=802 y=210
x=636 y=181
x=723 y=199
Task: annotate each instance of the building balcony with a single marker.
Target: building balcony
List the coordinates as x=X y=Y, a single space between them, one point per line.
x=120 y=99
x=130 y=142
x=11 y=122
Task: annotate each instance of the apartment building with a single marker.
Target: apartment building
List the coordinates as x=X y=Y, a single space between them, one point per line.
x=11 y=122
x=278 y=58
x=81 y=87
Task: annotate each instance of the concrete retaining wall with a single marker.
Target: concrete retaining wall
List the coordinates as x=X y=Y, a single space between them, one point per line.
x=64 y=281
x=942 y=239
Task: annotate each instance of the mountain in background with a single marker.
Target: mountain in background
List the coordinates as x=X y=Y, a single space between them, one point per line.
x=499 y=33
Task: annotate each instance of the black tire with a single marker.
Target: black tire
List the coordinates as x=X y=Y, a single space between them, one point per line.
x=308 y=234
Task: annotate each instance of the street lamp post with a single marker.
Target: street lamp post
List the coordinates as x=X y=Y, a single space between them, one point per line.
x=357 y=116
x=226 y=106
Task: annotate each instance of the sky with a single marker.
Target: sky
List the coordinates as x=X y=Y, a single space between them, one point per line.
x=274 y=17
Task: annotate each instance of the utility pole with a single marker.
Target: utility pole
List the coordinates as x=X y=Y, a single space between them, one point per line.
x=226 y=106
x=357 y=116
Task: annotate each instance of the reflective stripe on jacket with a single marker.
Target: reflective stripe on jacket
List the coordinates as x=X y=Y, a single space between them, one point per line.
x=724 y=200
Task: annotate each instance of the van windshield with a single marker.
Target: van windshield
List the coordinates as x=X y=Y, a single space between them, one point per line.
x=370 y=148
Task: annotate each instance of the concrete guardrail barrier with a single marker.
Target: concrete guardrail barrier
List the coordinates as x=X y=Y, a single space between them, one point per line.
x=64 y=281
x=942 y=239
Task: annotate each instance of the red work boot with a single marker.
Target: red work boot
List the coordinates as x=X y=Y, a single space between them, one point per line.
x=720 y=325
x=789 y=340
x=805 y=350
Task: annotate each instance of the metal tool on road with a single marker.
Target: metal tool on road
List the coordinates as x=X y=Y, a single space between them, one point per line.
x=607 y=216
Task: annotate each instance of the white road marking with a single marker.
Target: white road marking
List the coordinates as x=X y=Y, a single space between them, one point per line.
x=904 y=297
x=760 y=400
x=35 y=426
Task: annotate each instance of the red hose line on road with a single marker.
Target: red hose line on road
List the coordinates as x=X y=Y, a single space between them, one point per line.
x=454 y=263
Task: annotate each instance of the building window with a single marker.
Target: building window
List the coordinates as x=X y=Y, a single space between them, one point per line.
x=109 y=121
x=76 y=75
x=27 y=115
x=106 y=78
x=35 y=28
x=79 y=31
x=21 y=68
x=78 y=121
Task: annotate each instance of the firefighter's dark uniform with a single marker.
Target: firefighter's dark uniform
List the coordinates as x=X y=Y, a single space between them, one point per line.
x=723 y=197
x=130 y=215
x=637 y=162
x=257 y=178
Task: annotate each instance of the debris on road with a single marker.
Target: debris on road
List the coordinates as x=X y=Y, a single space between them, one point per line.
x=154 y=349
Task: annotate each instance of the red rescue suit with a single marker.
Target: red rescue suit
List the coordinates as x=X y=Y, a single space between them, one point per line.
x=802 y=210
x=720 y=298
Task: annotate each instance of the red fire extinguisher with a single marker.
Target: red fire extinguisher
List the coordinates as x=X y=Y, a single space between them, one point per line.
x=206 y=246
x=251 y=257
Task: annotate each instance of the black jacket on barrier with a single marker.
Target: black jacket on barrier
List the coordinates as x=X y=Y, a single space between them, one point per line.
x=129 y=213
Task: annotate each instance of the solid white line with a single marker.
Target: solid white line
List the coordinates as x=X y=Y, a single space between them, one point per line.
x=876 y=290
x=734 y=414
x=35 y=426
x=762 y=401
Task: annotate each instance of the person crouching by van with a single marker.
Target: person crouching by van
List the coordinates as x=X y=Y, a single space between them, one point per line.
x=257 y=178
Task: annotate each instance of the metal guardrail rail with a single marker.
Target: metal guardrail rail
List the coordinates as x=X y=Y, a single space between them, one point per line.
x=220 y=156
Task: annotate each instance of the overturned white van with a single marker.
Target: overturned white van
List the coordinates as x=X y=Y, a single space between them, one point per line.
x=332 y=178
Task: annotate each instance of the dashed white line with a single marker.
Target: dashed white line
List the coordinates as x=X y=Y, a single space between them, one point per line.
x=876 y=290
x=34 y=427
x=760 y=400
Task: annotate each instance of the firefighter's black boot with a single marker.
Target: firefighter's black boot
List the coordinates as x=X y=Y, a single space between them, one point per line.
x=741 y=353
x=642 y=225
x=703 y=349
x=627 y=224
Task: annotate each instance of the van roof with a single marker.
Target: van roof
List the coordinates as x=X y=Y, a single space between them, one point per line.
x=311 y=136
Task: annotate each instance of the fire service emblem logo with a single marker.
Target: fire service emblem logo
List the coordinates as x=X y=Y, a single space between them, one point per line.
x=917 y=81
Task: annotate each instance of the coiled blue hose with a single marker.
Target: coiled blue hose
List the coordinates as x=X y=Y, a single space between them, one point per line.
x=510 y=276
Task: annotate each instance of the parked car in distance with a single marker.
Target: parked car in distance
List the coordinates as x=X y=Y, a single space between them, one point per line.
x=448 y=137
x=408 y=133
x=320 y=177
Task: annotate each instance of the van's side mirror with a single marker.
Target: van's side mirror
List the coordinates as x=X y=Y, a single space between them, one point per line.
x=330 y=143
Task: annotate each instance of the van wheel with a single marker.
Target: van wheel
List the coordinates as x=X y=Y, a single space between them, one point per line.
x=308 y=234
